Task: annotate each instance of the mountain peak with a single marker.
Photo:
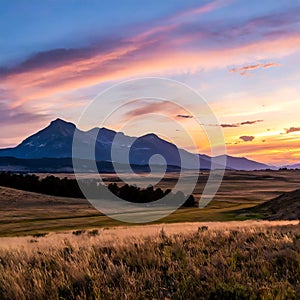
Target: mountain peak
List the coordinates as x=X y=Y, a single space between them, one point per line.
x=150 y=135
x=59 y=121
x=62 y=126
x=58 y=127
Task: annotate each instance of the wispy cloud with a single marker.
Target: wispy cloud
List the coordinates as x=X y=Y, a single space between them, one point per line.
x=180 y=42
x=250 y=122
x=17 y=123
x=16 y=115
x=245 y=69
x=163 y=108
x=202 y=9
x=233 y=125
x=150 y=107
x=229 y=125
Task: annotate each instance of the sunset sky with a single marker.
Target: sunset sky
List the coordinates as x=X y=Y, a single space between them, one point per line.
x=243 y=57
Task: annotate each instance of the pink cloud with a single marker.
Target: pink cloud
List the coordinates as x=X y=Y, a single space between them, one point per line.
x=162 y=50
x=118 y=64
x=167 y=107
x=244 y=69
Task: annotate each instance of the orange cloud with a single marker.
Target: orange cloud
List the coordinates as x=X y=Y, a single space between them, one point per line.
x=277 y=150
x=244 y=70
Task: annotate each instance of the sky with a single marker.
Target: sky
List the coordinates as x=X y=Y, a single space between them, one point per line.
x=242 y=57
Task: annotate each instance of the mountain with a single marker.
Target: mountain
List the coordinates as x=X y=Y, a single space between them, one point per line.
x=55 y=141
x=52 y=142
x=283 y=207
x=242 y=163
x=295 y=166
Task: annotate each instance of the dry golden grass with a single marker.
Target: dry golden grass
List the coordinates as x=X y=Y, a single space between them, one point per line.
x=118 y=235
x=236 y=260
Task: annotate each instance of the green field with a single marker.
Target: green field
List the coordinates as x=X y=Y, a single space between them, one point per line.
x=23 y=213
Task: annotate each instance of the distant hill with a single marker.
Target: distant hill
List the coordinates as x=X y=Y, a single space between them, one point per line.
x=243 y=163
x=55 y=142
x=295 y=166
x=283 y=207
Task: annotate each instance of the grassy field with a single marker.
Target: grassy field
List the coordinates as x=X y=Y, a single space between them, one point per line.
x=62 y=248
x=235 y=260
x=24 y=213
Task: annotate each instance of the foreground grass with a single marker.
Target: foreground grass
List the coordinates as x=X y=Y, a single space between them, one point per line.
x=249 y=263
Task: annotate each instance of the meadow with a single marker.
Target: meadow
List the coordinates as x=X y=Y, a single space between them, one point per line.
x=23 y=213
x=62 y=248
x=235 y=260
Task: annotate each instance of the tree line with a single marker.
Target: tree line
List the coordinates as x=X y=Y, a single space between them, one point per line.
x=66 y=187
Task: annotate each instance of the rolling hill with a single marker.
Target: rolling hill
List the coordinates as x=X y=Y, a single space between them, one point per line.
x=284 y=207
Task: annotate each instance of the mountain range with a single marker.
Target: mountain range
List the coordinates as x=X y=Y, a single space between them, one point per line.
x=55 y=142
